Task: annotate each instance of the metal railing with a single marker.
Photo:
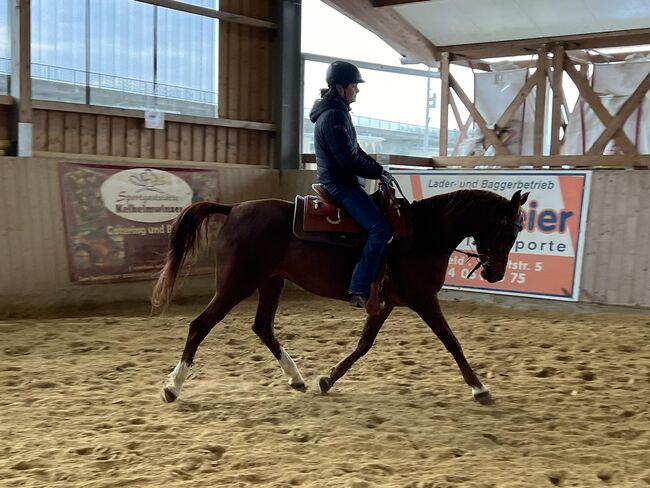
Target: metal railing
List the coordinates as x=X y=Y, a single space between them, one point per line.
x=105 y=81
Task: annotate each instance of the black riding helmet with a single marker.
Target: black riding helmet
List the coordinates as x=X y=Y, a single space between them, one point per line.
x=343 y=73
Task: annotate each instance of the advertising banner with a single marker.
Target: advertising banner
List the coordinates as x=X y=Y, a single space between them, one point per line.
x=546 y=259
x=118 y=218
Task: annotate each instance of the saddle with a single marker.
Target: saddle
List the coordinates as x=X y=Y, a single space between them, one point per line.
x=318 y=218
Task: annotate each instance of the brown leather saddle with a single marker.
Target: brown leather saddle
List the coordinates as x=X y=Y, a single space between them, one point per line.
x=318 y=218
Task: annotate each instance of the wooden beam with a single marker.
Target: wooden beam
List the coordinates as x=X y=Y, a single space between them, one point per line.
x=462 y=134
x=488 y=133
x=209 y=12
x=21 y=80
x=390 y=3
x=540 y=101
x=621 y=116
x=512 y=161
x=594 y=40
x=444 y=103
x=601 y=112
x=391 y=27
x=153 y=161
x=124 y=112
x=515 y=161
x=558 y=97
x=454 y=109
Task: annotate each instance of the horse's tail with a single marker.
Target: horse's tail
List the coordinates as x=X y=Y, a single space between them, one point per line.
x=182 y=244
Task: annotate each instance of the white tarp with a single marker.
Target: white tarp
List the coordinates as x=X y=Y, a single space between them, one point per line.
x=613 y=83
x=493 y=93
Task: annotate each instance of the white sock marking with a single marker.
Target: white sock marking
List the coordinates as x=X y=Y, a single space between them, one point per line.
x=290 y=368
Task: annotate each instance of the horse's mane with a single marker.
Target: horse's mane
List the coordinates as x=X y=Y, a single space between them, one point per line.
x=461 y=202
x=457 y=206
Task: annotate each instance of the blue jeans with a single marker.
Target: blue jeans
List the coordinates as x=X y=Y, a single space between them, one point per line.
x=356 y=202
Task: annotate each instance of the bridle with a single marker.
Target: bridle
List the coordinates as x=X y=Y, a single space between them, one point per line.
x=484 y=258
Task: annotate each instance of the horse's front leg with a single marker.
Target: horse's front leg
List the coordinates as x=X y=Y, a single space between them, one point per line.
x=431 y=313
x=368 y=335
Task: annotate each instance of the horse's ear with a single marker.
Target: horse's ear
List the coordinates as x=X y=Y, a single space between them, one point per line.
x=524 y=198
x=516 y=198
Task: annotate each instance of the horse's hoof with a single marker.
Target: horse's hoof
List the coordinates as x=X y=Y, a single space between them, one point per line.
x=483 y=397
x=168 y=395
x=324 y=384
x=300 y=386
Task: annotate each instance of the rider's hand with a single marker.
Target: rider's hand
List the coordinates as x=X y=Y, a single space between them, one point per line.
x=386 y=177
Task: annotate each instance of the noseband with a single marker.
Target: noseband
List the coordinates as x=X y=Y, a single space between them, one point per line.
x=484 y=258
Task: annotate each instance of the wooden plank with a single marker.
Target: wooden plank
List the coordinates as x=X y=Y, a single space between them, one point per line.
x=221 y=14
x=133 y=137
x=232 y=91
x=444 y=103
x=540 y=101
x=186 y=142
x=601 y=112
x=210 y=153
x=254 y=147
x=264 y=77
x=515 y=161
x=71 y=135
x=55 y=132
x=160 y=142
x=258 y=36
x=146 y=142
x=232 y=147
x=40 y=130
x=88 y=134
x=198 y=143
x=590 y=40
x=558 y=97
x=139 y=114
x=118 y=136
x=616 y=123
x=222 y=142
x=224 y=40
x=461 y=135
x=265 y=150
x=103 y=135
x=173 y=141
x=246 y=68
x=488 y=133
x=390 y=3
x=128 y=160
x=454 y=108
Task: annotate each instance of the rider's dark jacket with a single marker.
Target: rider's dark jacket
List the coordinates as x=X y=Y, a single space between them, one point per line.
x=339 y=159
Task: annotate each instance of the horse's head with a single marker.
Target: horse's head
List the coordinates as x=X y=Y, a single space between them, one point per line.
x=498 y=235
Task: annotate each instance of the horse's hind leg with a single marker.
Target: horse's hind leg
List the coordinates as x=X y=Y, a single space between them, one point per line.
x=200 y=327
x=269 y=293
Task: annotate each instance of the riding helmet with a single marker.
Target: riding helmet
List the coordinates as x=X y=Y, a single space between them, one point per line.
x=343 y=73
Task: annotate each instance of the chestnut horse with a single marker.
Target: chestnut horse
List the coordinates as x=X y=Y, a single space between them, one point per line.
x=257 y=250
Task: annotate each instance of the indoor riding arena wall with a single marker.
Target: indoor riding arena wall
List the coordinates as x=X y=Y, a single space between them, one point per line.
x=34 y=263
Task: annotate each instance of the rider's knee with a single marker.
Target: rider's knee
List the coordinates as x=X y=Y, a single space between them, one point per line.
x=381 y=231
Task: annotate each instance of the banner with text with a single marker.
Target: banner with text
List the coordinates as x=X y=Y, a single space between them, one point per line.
x=118 y=218
x=546 y=258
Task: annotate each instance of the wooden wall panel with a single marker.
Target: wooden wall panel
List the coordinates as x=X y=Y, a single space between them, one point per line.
x=616 y=266
x=33 y=253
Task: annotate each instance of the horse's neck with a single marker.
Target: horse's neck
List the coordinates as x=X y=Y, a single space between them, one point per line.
x=448 y=219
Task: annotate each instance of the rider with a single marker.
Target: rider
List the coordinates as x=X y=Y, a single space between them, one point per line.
x=340 y=162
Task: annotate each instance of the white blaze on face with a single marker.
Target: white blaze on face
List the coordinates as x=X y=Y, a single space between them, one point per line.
x=290 y=368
